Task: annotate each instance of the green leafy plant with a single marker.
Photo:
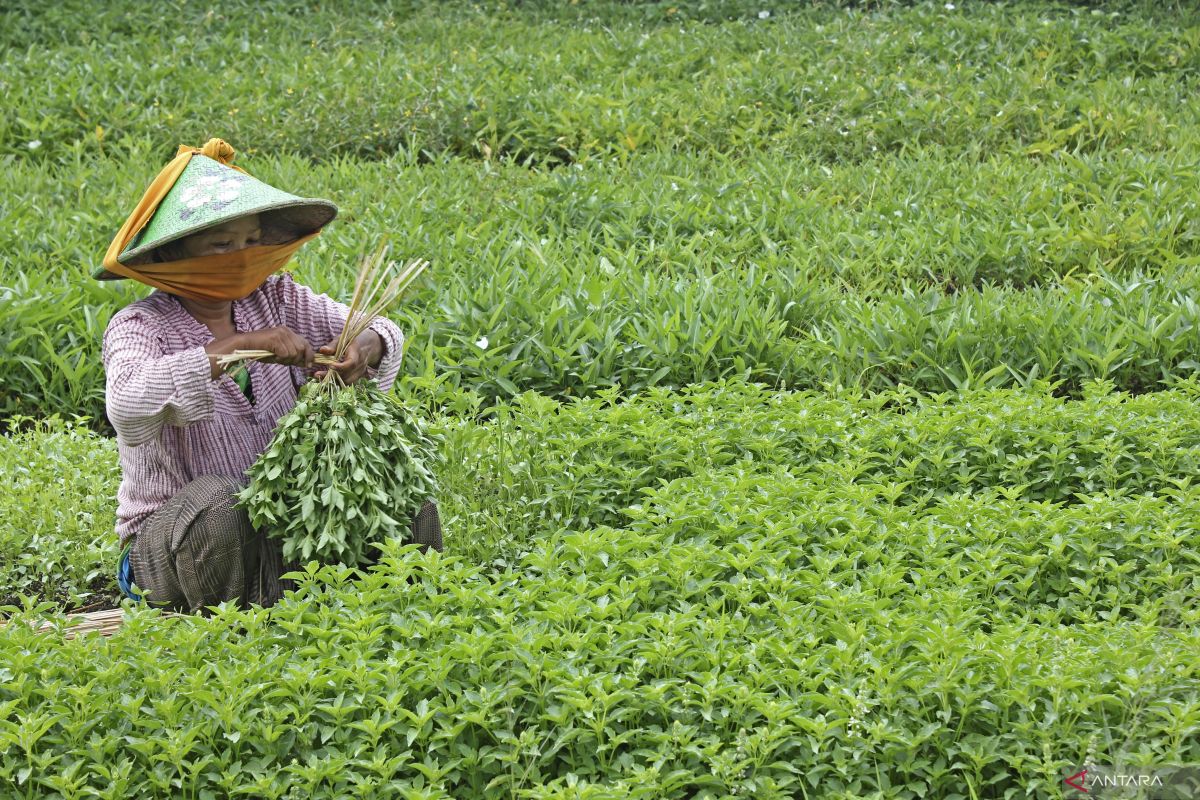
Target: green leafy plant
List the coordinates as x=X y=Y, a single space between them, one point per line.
x=815 y=385
x=725 y=590
x=882 y=194
x=57 y=512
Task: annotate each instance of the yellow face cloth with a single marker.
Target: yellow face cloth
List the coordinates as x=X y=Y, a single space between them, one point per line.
x=221 y=276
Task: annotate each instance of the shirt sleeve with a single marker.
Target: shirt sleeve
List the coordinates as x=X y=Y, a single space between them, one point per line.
x=320 y=319
x=146 y=388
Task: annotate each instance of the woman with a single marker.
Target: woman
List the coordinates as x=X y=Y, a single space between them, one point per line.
x=209 y=238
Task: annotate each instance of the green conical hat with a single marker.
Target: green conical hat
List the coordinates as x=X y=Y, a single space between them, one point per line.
x=209 y=193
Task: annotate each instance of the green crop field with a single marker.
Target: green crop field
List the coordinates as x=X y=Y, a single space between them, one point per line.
x=817 y=387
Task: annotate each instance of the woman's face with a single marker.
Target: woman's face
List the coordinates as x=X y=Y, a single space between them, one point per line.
x=227 y=237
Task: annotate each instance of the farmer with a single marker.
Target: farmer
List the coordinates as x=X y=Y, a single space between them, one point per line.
x=210 y=239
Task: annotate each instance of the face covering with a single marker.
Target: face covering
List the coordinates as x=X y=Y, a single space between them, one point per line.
x=220 y=276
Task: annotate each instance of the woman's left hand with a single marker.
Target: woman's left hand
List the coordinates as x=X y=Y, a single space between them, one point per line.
x=363 y=353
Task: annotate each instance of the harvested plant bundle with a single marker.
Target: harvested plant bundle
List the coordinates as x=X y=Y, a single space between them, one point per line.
x=348 y=465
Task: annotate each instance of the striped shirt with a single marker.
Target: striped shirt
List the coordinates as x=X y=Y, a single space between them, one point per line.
x=174 y=422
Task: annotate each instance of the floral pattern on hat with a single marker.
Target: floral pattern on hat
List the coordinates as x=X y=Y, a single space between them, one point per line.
x=210 y=193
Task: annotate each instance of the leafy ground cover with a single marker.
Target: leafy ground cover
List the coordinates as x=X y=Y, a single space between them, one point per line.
x=822 y=194
x=58 y=509
x=556 y=85
x=670 y=270
x=723 y=591
x=542 y=466
x=817 y=388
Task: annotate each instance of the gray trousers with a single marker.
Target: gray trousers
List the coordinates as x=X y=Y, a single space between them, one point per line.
x=199 y=550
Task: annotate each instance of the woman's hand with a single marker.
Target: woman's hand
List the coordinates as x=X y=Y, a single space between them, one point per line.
x=289 y=347
x=363 y=353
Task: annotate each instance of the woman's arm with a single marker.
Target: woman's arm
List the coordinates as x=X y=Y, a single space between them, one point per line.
x=320 y=319
x=147 y=388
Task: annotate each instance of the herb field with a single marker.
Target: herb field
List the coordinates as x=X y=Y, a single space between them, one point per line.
x=815 y=387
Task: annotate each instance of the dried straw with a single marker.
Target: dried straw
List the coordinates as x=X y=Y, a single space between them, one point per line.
x=105 y=623
x=374 y=294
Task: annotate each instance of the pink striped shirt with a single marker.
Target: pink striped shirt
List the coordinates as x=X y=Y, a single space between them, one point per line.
x=174 y=422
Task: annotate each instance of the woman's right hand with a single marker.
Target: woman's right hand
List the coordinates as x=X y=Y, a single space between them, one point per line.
x=289 y=347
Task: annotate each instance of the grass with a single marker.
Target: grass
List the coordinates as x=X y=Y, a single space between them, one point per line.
x=817 y=392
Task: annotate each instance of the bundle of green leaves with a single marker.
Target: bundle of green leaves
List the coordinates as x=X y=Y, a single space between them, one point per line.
x=348 y=465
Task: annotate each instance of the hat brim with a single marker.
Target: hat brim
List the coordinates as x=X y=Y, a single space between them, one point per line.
x=280 y=224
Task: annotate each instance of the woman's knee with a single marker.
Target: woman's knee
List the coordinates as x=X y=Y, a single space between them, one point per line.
x=198 y=548
x=216 y=552
x=211 y=492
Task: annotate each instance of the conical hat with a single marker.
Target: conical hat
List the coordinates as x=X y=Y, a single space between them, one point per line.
x=209 y=193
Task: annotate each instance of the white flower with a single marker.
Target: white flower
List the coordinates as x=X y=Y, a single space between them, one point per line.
x=482 y=344
x=34 y=145
x=764 y=14
x=949 y=6
x=193 y=196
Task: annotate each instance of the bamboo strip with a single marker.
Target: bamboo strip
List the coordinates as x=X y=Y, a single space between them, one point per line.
x=239 y=356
